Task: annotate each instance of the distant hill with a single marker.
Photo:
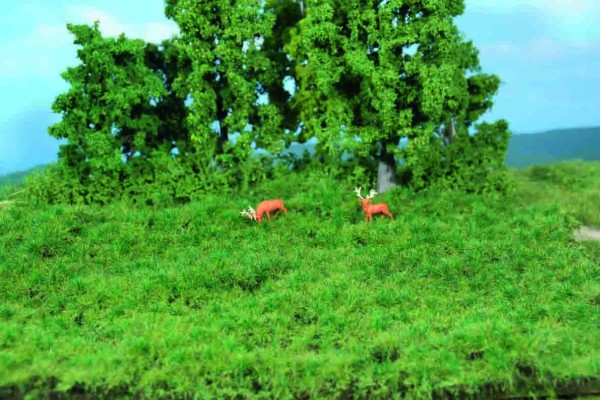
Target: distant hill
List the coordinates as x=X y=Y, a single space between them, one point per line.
x=17 y=178
x=553 y=146
x=539 y=148
x=523 y=150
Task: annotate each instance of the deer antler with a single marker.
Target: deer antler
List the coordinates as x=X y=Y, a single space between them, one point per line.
x=357 y=191
x=372 y=194
x=250 y=213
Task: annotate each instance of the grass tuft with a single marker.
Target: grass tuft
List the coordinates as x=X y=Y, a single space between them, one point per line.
x=461 y=296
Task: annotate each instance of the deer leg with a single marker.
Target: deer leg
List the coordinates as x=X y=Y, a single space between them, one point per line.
x=284 y=210
x=389 y=214
x=269 y=215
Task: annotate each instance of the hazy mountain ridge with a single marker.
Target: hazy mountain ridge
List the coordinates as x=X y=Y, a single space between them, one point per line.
x=523 y=150
x=553 y=146
x=18 y=177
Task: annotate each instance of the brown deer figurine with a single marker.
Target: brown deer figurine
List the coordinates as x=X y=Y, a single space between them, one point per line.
x=371 y=209
x=265 y=207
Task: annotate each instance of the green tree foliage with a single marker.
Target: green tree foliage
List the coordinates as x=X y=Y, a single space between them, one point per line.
x=120 y=115
x=282 y=67
x=107 y=112
x=366 y=74
x=231 y=71
x=373 y=72
x=167 y=60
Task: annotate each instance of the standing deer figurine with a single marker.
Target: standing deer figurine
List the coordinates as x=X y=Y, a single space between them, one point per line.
x=371 y=209
x=265 y=207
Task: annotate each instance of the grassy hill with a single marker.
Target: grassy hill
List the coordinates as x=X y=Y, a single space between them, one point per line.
x=16 y=178
x=553 y=146
x=459 y=296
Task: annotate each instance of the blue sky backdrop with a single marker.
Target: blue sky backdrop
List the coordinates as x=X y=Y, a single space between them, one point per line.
x=547 y=53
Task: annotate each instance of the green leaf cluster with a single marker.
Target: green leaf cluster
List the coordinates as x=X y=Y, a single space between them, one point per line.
x=170 y=121
x=372 y=73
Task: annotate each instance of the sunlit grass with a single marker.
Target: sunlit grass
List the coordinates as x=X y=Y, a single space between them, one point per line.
x=459 y=293
x=575 y=186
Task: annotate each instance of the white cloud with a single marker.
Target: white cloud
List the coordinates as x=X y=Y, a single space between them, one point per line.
x=545 y=48
x=50 y=35
x=560 y=7
x=44 y=50
x=110 y=25
x=538 y=49
x=501 y=49
x=155 y=32
x=568 y=8
x=574 y=22
x=36 y=52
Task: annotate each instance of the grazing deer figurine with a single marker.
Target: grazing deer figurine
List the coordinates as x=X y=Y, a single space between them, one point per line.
x=371 y=209
x=265 y=207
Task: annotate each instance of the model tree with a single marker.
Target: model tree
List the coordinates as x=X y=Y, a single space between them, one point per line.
x=373 y=72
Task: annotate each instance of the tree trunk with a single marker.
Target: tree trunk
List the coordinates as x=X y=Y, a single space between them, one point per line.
x=301 y=2
x=223 y=138
x=449 y=132
x=386 y=174
x=223 y=131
